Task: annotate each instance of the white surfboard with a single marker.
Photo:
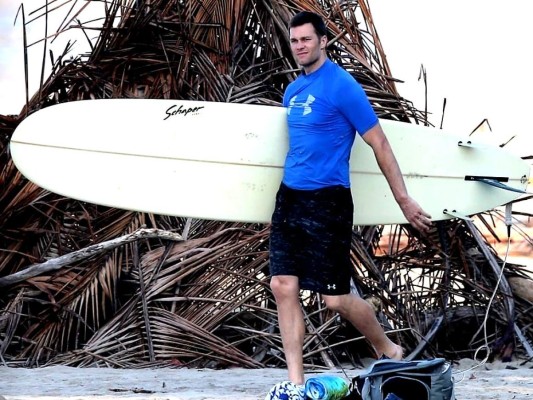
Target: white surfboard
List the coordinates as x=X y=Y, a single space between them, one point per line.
x=224 y=161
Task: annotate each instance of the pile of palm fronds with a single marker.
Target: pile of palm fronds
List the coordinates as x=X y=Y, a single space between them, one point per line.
x=202 y=297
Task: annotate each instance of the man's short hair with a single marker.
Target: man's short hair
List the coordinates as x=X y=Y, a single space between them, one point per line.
x=308 y=17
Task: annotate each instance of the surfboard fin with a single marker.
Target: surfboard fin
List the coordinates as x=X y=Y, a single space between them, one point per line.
x=456 y=214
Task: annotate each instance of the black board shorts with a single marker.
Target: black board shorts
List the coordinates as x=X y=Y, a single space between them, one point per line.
x=310 y=238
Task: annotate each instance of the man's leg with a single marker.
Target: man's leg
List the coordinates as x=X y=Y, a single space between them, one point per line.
x=286 y=290
x=361 y=315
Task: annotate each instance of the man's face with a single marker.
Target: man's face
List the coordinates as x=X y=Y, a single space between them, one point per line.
x=307 y=48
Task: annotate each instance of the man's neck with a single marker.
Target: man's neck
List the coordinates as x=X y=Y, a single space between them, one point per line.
x=309 y=69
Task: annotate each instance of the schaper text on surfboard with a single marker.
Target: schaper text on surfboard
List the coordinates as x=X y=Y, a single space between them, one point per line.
x=184 y=111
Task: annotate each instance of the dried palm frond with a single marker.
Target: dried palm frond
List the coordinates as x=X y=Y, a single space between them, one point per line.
x=206 y=301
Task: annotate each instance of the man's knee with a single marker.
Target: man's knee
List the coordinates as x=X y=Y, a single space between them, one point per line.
x=339 y=304
x=284 y=286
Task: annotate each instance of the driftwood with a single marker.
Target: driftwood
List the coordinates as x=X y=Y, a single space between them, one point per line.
x=83 y=254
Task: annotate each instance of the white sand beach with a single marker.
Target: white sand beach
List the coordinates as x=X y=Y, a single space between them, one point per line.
x=503 y=381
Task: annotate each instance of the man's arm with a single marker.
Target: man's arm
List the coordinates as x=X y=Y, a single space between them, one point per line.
x=375 y=138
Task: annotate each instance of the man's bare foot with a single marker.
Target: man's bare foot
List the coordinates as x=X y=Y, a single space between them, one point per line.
x=395 y=353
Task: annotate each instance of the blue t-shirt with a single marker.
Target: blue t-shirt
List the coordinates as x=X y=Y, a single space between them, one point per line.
x=325 y=110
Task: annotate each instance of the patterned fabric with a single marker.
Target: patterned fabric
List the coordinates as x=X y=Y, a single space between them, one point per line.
x=286 y=390
x=310 y=238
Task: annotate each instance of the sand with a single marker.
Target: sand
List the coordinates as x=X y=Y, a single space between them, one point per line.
x=504 y=381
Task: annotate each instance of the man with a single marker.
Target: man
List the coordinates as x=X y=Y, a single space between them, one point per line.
x=312 y=221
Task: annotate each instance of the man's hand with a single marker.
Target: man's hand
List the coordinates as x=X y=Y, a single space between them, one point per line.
x=416 y=216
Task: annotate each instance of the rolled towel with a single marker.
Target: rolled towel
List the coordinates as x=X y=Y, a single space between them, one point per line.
x=326 y=387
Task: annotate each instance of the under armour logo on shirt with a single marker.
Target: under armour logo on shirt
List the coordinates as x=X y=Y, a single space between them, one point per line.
x=306 y=106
